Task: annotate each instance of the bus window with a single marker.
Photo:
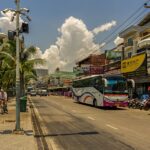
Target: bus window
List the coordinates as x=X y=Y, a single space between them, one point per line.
x=116 y=85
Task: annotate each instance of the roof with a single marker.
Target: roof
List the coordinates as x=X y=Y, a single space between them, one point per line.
x=63 y=74
x=82 y=59
x=86 y=77
x=127 y=31
x=100 y=75
x=88 y=57
x=145 y=20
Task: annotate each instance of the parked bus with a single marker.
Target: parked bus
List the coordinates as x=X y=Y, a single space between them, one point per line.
x=101 y=90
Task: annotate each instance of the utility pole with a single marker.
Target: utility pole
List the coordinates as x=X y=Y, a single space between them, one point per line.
x=17 y=12
x=17 y=67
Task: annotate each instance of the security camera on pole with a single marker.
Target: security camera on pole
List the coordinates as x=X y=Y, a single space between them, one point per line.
x=19 y=11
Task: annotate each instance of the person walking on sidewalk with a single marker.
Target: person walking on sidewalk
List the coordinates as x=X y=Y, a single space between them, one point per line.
x=3 y=101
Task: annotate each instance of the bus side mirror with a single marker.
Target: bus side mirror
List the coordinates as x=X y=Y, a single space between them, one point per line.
x=104 y=82
x=132 y=82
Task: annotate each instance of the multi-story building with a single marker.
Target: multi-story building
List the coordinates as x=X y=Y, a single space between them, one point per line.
x=93 y=64
x=136 y=61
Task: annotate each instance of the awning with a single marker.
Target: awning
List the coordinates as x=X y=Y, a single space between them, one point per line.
x=144 y=43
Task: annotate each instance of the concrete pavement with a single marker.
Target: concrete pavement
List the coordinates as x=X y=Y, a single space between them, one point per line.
x=11 y=141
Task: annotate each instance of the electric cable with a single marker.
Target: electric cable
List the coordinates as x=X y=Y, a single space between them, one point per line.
x=124 y=22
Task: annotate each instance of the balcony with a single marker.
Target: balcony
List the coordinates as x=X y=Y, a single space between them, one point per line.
x=145 y=36
x=144 y=43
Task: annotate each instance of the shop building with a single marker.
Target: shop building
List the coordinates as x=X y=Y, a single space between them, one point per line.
x=136 y=61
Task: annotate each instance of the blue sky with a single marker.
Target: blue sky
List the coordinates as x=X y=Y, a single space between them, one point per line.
x=48 y=15
x=69 y=30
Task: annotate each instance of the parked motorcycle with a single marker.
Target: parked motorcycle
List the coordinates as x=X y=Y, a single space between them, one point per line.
x=146 y=105
x=134 y=103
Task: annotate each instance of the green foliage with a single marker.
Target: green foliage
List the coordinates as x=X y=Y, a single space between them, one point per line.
x=8 y=65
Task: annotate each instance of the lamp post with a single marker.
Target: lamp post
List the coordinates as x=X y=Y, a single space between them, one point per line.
x=17 y=67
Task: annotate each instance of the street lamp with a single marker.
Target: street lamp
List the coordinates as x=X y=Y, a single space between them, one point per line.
x=19 y=11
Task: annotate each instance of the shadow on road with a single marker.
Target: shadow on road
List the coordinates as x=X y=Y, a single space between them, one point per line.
x=67 y=134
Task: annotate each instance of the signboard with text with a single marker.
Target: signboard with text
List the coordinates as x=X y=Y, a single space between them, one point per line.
x=135 y=66
x=89 y=70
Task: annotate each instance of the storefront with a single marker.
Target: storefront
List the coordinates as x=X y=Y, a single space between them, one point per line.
x=136 y=68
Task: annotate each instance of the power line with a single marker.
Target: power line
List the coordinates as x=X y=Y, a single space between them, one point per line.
x=136 y=19
x=126 y=27
x=121 y=25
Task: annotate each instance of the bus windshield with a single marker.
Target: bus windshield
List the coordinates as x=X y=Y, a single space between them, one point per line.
x=116 y=85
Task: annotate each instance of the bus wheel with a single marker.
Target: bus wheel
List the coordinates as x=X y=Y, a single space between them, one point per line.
x=95 y=103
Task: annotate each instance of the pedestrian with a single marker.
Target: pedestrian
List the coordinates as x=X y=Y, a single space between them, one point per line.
x=3 y=101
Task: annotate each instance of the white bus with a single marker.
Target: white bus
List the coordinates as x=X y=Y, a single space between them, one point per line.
x=101 y=90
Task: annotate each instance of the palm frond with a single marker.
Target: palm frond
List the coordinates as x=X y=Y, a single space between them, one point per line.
x=8 y=55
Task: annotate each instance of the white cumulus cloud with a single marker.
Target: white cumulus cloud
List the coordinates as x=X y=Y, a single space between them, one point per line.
x=6 y=23
x=118 y=40
x=75 y=41
x=104 y=27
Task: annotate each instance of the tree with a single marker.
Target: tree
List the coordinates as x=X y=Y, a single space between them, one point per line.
x=27 y=66
x=8 y=65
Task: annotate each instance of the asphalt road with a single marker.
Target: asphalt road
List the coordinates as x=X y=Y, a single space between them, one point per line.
x=71 y=126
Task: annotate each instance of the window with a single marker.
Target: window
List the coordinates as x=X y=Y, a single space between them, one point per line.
x=129 y=54
x=130 y=42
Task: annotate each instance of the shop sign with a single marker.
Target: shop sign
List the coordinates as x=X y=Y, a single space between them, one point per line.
x=88 y=70
x=113 y=55
x=116 y=71
x=132 y=64
x=135 y=67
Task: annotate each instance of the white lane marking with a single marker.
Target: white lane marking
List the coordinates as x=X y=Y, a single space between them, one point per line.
x=108 y=125
x=91 y=118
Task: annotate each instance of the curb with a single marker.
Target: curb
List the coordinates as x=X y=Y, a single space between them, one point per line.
x=43 y=128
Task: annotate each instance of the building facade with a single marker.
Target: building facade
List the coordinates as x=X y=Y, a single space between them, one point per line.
x=136 y=61
x=93 y=64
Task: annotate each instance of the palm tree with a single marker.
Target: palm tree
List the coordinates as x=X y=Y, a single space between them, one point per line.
x=27 y=65
x=8 y=65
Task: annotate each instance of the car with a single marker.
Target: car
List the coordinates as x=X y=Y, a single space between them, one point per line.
x=33 y=93
x=43 y=93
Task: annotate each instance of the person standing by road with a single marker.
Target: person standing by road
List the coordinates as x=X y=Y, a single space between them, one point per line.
x=3 y=101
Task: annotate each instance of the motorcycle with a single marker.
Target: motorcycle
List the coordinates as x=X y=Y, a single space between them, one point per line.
x=146 y=105
x=133 y=103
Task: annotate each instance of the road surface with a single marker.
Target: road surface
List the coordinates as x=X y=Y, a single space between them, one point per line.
x=68 y=125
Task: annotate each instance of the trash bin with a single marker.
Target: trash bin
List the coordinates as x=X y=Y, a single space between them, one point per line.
x=23 y=104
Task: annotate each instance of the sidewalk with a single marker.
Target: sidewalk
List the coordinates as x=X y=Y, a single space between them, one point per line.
x=11 y=141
